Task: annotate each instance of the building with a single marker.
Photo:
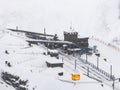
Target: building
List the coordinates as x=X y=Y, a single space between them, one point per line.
x=73 y=37
x=83 y=42
x=53 y=65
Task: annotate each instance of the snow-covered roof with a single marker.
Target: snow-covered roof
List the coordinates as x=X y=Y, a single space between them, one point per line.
x=75 y=49
x=53 y=61
x=53 y=51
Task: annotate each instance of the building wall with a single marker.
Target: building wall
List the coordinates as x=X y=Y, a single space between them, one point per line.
x=83 y=42
x=73 y=37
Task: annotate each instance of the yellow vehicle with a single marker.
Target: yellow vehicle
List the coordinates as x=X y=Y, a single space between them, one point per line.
x=75 y=77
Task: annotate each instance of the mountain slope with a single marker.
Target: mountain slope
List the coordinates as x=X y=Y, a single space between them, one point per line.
x=29 y=64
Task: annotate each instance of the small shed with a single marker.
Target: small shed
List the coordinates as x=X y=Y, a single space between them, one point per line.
x=54 y=63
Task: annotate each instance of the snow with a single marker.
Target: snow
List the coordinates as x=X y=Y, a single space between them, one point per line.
x=49 y=41
x=98 y=19
x=111 y=54
x=29 y=64
x=56 y=16
x=53 y=51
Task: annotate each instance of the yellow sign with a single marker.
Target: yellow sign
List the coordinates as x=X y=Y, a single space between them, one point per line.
x=75 y=76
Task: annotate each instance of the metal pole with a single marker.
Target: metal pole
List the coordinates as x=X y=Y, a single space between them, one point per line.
x=47 y=48
x=86 y=57
x=75 y=64
x=113 y=85
x=62 y=59
x=119 y=9
x=111 y=70
x=88 y=71
x=98 y=55
x=97 y=62
x=45 y=32
x=112 y=77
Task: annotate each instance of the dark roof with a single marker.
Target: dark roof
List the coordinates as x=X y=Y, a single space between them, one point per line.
x=83 y=38
x=48 y=41
x=15 y=30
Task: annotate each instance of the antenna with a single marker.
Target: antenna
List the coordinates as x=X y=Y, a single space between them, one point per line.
x=71 y=25
x=44 y=31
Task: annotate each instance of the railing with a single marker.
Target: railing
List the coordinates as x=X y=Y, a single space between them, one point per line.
x=106 y=74
x=100 y=72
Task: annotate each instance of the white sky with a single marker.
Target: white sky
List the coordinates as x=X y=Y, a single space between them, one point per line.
x=86 y=16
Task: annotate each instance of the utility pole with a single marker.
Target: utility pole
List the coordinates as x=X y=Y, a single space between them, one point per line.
x=111 y=70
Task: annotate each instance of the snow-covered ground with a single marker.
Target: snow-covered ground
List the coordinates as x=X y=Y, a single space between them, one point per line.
x=29 y=64
x=98 y=19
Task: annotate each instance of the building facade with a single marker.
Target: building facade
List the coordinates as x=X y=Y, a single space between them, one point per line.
x=73 y=37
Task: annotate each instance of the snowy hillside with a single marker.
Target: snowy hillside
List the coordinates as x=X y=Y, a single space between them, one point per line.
x=28 y=63
x=23 y=67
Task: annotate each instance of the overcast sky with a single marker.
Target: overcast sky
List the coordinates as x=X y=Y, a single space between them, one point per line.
x=56 y=15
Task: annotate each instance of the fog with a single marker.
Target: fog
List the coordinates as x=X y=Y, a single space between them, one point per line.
x=85 y=16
